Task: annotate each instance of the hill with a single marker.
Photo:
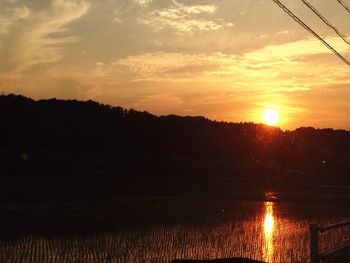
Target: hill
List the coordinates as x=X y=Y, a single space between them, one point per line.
x=68 y=137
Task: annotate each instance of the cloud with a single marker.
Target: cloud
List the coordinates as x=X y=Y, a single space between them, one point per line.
x=40 y=39
x=144 y=2
x=8 y=17
x=272 y=71
x=296 y=49
x=195 y=9
x=161 y=64
x=291 y=89
x=184 y=18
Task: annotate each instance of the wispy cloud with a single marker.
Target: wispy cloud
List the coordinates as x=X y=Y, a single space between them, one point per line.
x=39 y=39
x=144 y=2
x=269 y=56
x=275 y=69
x=184 y=18
x=150 y=65
x=9 y=16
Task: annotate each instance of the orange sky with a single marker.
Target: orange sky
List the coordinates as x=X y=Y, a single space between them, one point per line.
x=223 y=59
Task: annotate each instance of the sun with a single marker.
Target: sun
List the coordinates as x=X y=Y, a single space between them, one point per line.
x=270 y=117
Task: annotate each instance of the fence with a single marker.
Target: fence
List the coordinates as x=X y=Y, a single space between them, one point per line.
x=315 y=255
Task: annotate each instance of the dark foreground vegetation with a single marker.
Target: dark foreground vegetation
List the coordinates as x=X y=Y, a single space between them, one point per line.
x=57 y=138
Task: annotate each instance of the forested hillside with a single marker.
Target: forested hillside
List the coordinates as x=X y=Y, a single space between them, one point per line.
x=68 y=137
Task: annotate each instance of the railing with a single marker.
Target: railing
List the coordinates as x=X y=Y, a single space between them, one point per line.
x=315 y=255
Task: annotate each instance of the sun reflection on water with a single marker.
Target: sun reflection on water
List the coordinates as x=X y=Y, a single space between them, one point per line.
x=269 y=226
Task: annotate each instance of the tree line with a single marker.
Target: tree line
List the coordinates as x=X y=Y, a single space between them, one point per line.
x=69 y=137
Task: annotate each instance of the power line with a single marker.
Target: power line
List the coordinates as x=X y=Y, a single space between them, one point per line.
x=313 y=9
x=300 y=22
x=344 y=5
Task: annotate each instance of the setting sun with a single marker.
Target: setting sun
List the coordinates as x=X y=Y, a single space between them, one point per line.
x=270 y=117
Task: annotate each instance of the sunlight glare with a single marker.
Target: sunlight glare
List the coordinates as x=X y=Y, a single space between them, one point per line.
x=270 y=117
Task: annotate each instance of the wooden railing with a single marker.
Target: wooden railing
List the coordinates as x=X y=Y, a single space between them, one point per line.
x=315 y=255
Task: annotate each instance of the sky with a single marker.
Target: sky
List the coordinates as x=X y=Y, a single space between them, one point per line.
x=227 y=60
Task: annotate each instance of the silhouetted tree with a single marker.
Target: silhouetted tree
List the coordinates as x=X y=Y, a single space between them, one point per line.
x=63 y=137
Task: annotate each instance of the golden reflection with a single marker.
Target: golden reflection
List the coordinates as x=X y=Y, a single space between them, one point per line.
x=268 y=231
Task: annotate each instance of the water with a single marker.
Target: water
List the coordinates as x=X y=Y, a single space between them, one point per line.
x=267 y=231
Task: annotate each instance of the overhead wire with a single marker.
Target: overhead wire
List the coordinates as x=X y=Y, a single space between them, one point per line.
x=313 y=9
x=300 y=22
x=347 y=8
